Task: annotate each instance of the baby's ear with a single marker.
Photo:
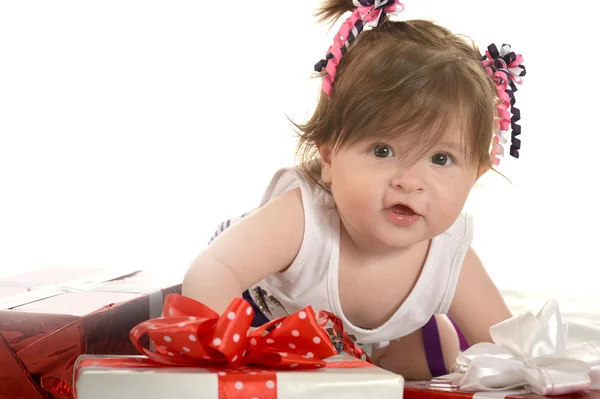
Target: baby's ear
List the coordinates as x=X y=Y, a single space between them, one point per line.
x=326 y=154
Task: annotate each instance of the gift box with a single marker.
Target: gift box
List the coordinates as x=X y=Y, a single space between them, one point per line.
x=56 y=276
x=127 y=377
x=45 y=327
x=528 y=358
x=35 y=285
x=199 y=354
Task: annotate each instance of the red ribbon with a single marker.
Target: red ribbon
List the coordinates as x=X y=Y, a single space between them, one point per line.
x=192 y=334
x=342 y=336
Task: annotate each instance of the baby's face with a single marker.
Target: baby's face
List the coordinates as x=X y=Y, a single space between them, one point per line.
x=386 y=200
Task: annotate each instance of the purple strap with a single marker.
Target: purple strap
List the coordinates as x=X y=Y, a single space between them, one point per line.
x=433 y=346
x=464 y=345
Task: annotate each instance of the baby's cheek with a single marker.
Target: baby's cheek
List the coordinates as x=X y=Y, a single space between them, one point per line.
x=443 y=213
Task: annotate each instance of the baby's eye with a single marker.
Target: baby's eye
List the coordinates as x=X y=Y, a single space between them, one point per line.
x=382 y=151
x=442 y=159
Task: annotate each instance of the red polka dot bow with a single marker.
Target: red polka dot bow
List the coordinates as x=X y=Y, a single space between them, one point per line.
x=192 y=334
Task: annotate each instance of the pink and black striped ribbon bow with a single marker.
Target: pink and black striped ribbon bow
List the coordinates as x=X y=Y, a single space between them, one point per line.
x=368 y=13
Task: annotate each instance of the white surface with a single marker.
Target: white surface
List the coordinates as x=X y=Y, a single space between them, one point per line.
x=98 y=383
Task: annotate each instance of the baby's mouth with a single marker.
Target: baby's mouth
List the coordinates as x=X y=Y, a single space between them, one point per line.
x=402 y=210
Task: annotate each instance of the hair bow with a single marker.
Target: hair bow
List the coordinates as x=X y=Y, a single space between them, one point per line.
x=506 y=69
x=368 y=12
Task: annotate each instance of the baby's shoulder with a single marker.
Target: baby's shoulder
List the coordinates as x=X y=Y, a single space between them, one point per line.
x=287 y=179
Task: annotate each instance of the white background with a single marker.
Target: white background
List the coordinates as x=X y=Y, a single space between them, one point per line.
x=129 y=130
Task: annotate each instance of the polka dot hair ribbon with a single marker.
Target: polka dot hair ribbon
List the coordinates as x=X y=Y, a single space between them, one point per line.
x=192 y=334
x=368 y=12
x=506 y=69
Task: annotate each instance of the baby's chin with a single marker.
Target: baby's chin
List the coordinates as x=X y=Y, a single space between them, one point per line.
x=404 y=240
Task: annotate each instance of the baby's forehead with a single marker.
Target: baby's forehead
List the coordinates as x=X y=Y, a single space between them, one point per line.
x=449 y=136
x=453 y=136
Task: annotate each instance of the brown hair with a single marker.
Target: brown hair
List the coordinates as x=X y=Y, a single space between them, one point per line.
x=413 y=79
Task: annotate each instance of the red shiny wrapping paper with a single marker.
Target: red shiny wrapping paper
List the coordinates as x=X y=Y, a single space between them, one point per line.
x=445 y=390
x=15 y=381
x=40 y=341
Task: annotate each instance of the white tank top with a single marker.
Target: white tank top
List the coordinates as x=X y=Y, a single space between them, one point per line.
x=312 y=278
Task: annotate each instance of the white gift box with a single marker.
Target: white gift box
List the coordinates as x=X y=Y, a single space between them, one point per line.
x=99 y=377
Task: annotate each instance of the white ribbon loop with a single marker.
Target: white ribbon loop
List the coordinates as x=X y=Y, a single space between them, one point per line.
x=530 y=352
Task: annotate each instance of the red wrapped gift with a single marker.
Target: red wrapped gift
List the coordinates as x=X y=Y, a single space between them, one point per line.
x=40 y=284
x=199 y=354
x=56 y=276
x=44 y=333
x=446 y=389
x=9 y=292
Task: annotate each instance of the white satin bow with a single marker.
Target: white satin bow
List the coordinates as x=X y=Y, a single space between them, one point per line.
x=529 y=352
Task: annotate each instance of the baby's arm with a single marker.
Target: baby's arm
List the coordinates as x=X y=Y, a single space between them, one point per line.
x=477 y=304
x=262 y=243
